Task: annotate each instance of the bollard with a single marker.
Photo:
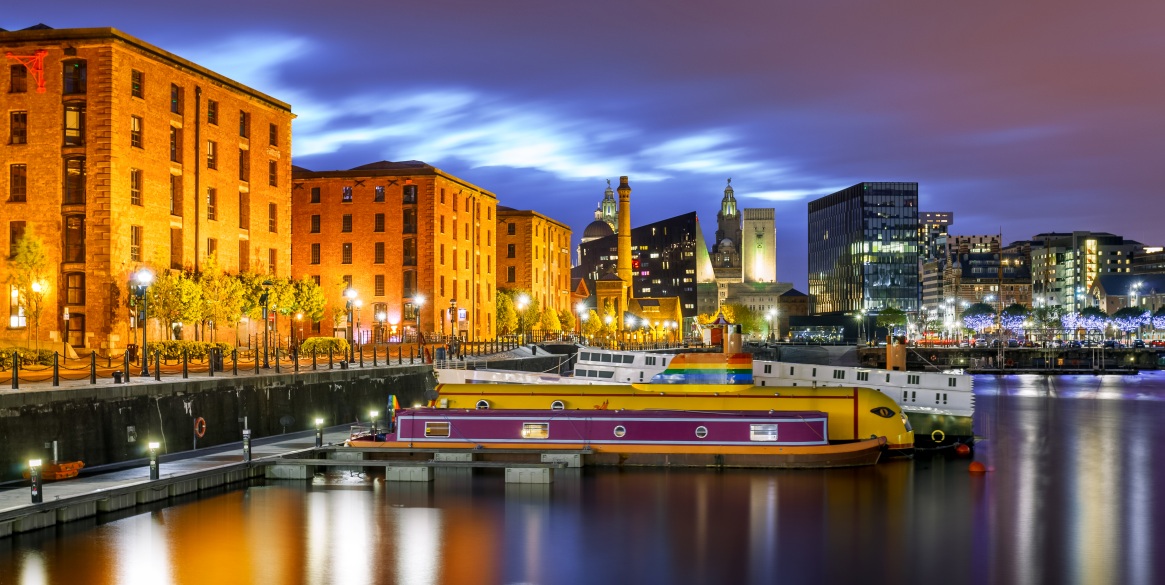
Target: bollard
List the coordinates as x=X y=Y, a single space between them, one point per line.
x=56 y=371
x=319 y=433
x=277 y=359
x=126 y=369
x=331 y=362
x=362 y=354
x=256 y=361
x=399 y=356
x=158 y=366
x=210 y=360
x=34 y=475
x=246 y=445
x=295 y=356
x=153 y=461
x=15 y=371
x=235 y=360
x=313 y=359
x=185 y=362
x=374 y=356
x=93 y=368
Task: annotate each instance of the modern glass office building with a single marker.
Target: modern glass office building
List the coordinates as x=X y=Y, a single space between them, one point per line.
x=863 y=249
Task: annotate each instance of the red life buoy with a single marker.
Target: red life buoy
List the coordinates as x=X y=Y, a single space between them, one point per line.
x=200 y=427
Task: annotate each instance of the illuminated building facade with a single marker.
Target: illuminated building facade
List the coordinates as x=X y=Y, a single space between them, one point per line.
x=120 y=155
x=534 y=255
x=933 y=226
x=863 y=249
x=1065 y=265
x=415 y=243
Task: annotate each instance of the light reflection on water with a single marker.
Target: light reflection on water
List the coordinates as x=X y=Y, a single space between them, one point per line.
x=1075 y=497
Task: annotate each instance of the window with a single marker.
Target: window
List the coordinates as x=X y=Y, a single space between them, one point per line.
x=75 y=238
x=135 y=131
x=272 y=173
x=410 y=252
x=378 y=223
x=17 y=183
x=379 y=196
x=409 y=284
x=272 y=261
x=378 y=253
x=212 y=112
x=539 y=430
x=315 y=253
x=176 y=248
x=74 y=180
x=211 y=154
x=136 y=81
x=952 y=382
x=135 y=187
x=211 y=204
x=18 y=128
x=346 y=253
x=15 y=232
x=442 y=197
x=176 y=99
x=272 y=135
x=273 y=218
x=176 y=195
x=211 y=247
x=378 y=285
x=346 y=223
x=175 y=144
x=75 y=288
x=244 y=210
x=409 y=194
x=74 y=124
x=16 y=316
x=244 y=165
x=762 y=432
x=510 y=251
x=442 y=256
x=315 y=194
x=442 y=285
x=442 y=224
x=346 y=197
x=436 y=429
x=74 y=82
x=410 y=221
x=135 y=243
x=244 y=124
x=511 y=274
x=315 y=224
x=19 y=79
x=244 y=256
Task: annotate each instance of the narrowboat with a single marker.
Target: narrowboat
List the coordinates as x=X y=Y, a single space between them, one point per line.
x=777 y=439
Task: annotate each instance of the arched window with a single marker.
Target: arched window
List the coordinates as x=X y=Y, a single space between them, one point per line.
x=74 y=77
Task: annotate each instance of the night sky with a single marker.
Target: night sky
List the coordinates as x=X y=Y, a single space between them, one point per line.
x=1023 y=116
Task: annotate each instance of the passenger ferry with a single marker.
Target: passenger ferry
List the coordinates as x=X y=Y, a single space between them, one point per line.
x=634 y=437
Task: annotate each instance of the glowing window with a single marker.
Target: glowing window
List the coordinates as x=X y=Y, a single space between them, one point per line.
x=535 y=430
x=762 y=432
x=436 y=429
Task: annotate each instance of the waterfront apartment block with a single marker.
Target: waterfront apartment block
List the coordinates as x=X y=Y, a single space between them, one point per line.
x=534 y=255
x=932 y=227
x=1066 y=265
x=863 y=249
x=413 y=242
x=119 y=155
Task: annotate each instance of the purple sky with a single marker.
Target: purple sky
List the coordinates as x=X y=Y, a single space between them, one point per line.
x=1025 y=116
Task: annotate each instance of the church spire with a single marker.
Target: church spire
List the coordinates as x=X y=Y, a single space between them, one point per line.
x=608 y=209
x=728 y=203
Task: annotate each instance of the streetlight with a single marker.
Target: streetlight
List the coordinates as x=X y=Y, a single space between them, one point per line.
x=319 y=433
x=359 y=303
x=381 y=317
x=144 y=278
x=65 y=316
x=769 y=319
x=350 y=294
x=419 y=301
x=153 y=460
x=373 y=416
x=264 y=298
x=453 y=326
x=34 y=475
x=299 y=325
x=581 y=309
x=523 y=300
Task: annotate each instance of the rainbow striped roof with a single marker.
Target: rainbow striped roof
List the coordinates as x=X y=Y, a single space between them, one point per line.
x=707 y=368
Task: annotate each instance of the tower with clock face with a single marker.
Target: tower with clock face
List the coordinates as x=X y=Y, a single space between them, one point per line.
x=758 y=247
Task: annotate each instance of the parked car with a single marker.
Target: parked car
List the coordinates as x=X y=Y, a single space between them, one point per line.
x=1012 y=343
x=1138 y=343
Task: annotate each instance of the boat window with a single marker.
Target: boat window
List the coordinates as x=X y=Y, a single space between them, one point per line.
x=535 y=430
x=557 y=405
x=952 y=382
x=483 y=405
x=606 y=357
x=663 y=361
x=592 y=373
x=944 y=397
x=864 y=376
x=584 y=356
x=791 y=370
x=701 y=432
x=436 y=429
x=887 y=378
x=937 y=398
x=814 y=372
x=912 y=379
x=913 y=396
x=620 y=431
x=839 y=374
x=606 y=374
x=762 y=432
x=768 y=368
x=580 y=373
x=650 y=361
x=640 y=375
x=628 y=359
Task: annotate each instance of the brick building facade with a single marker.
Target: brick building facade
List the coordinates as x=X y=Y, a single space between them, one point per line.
x=120 y=155
x=534 y=255
x=408 y=238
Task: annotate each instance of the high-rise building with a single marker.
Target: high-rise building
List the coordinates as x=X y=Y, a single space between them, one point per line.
x=416 y=244
x=758 y=245
x=1065 y=265
x=120 y=155
x=863 y=249
x=932 y=226
x=534 y=255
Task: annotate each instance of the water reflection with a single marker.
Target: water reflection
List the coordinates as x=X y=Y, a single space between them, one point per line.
x=1075 y=497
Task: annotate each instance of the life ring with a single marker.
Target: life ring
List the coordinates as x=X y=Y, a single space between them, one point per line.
x=937 y=435
x=1009 y=363
x=200 y=427
x=933 y=357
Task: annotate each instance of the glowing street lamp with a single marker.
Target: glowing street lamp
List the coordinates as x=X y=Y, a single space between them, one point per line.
x=144 y=278
x=154 y=460
x=319 y=433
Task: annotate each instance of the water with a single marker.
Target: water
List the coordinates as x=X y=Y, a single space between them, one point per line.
x=1075 y=497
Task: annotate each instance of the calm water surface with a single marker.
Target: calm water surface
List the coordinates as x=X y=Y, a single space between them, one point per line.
x=1076 y=496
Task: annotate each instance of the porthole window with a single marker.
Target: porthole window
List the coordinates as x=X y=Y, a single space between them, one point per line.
x=701 y=432
x=620 y=431
x=557 y=405
x=483 y=405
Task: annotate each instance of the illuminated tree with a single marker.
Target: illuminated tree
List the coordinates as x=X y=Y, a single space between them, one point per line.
x=1159 y=319
x=979 y=317
x=1130 y=319
x=1093 y=319
x=1013 y=317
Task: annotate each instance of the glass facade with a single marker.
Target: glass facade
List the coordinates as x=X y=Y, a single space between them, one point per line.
x=863 y=249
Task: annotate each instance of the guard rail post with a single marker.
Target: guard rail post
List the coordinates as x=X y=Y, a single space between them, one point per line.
x=56 y=370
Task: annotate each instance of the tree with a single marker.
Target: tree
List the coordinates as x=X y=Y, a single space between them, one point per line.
x=893 y=319
x=1048 y=317
x=1130 y=319
x=506 y=318
x=548 y=320
x=309 y=299
x=593 y=325
x=979 y=317
x=175 y=298
x=750 y=321
x=529 y=316
x=1013 y=317
x=1092 y=319
x=567 y=319
x=222 y=298
x=27 y=269
x=1159 y=319
x=280 y=300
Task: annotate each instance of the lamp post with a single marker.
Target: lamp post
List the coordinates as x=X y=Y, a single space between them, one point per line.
x=34 y=475
x=144 y=278
x=769 y=321
x=1133 y=291
x=381 y=317
x=359 y=303
x=65 y=316
x=153 y=460
x=373 y=416
x=453 y=323
x=319 y=433
x=298 y=325
x=419 y=301
x=523 y=300
x=264 y=298
x=350 y=294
